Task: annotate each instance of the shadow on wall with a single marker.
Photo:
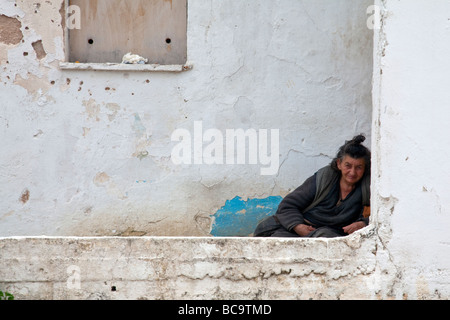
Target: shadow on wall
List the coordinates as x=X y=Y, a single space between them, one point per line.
x=239 y=217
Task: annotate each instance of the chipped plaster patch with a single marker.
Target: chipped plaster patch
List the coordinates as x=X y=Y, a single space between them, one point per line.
x=102 y=179
x=92 y=109
x=10 y=32
x=44 y=22
x=35 y=85
x=142 y=139
x=25 y=196
x=39 y=49
x=114 y=108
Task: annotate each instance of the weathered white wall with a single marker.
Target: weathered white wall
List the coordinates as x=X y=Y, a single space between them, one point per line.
x=89 y=153
x=410 y=139
x=404 y=254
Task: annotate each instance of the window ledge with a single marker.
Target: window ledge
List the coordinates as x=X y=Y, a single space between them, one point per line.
x=124 y=67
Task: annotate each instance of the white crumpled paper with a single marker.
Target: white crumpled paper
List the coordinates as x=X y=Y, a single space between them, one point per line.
x=130 y=58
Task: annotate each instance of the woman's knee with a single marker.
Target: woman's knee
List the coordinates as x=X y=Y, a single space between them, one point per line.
x=326 y=232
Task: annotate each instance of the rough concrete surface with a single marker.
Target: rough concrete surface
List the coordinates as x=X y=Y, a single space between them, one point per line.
x=190 y=268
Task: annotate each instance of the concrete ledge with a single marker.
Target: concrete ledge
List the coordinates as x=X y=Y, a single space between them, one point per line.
x=188 y=268
x=124 y=67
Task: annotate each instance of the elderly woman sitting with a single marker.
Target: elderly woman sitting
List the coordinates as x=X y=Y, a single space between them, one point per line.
x=329 y=204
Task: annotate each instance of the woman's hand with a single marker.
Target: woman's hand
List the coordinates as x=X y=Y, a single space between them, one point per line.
x=303 y=230
x=355 y=226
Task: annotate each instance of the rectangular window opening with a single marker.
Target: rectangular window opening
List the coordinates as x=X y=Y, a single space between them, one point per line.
x=100 y=32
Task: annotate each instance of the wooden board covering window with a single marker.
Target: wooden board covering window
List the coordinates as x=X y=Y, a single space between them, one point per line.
x=154 y=29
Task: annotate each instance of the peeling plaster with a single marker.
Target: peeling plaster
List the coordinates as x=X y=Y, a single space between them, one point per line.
x=39 y=49
x=33 y=84
x=104 y=180
x=92 y=109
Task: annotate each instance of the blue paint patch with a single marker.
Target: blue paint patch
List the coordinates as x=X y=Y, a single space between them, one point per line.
x=238 y=218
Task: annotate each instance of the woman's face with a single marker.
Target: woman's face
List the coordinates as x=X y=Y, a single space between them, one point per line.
x=352 y=169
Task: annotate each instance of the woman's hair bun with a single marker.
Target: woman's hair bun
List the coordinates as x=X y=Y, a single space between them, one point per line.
x=358 y=139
